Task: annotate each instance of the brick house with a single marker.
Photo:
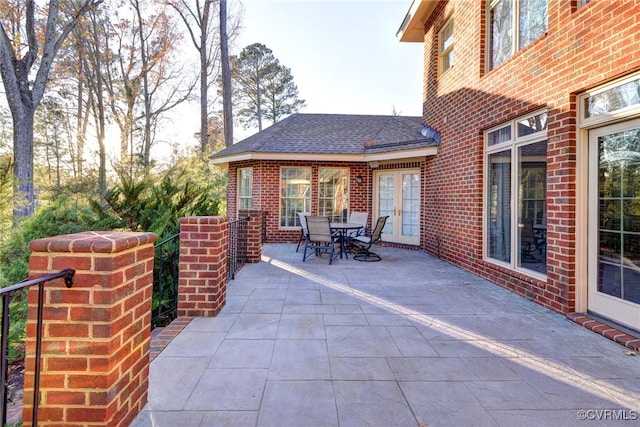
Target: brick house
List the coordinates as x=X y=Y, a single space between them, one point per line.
x=329 y=164
x=532 y=175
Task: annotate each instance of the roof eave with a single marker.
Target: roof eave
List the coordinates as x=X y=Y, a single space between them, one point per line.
x=224 y=161
x=412 y=27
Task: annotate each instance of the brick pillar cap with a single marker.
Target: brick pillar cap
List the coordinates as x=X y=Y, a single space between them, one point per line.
x=92 y=242
x=203 y=220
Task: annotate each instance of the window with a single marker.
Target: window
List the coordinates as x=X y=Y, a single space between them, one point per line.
x=333 y=193
x=245 y=188
x=516 y=202
x=446 y=46
x=513 y=25
x=621 y=95
x=295 y=195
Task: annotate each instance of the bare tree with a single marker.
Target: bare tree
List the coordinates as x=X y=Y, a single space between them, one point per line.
x=94 y=65
x=227 y=109
x=17 y=59
x=199 y=19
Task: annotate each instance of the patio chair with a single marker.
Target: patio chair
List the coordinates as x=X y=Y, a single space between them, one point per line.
x=320 y=238
x=365 y=241
x=303 y=228
x=530 y=243
x=359 y=218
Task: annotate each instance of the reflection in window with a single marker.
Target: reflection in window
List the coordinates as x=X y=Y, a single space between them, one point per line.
x=514 y=24
x=499 y=136
x=517 y=210
x=532 y=199
x=619 y=214
x=500 y=206
x=616 y=98
x=295 y=194
x=245 y=188
x=333 y=193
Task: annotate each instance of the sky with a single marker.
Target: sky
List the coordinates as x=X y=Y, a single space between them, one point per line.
x=344 y=54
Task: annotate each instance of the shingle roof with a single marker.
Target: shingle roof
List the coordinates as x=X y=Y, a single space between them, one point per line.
x=334 y=134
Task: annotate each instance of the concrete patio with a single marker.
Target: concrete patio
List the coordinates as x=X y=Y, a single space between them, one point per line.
x=408 y=341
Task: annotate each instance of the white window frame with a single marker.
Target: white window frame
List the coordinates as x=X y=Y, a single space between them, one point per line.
x=446 y=52
x=610 y=115
x=515 y=31
x=291 y=218
x=514 y=143
x=585 y=238
x=245 y=197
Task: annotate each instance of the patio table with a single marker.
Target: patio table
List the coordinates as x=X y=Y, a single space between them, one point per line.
x=343 y=228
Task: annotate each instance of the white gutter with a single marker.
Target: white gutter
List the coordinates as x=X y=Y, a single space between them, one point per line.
x=315 y=157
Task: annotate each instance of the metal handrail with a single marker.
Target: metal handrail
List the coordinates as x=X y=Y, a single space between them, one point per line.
x=6 y=294
x=166 y=310
x=237 y=247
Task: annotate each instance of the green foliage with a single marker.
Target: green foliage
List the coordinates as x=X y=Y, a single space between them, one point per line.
x=6 y=194
x=148 y=202
x=155 y=203
x=66 y=215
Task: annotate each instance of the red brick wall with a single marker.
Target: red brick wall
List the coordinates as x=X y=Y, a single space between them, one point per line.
x=583 y=48
x=202 y=282
x=96 y=335
x=266 y=190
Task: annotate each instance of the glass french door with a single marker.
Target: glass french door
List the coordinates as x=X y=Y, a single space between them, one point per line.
x=397 y=195
x=614 y=222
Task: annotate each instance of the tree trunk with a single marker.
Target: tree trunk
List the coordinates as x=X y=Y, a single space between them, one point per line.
x=227 y=109
x=23 y=154
x=204 y=83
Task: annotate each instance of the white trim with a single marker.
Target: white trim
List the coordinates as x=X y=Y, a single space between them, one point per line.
x=582 y=219
x=388 y=155
x=412 y=27
x=611 y=116
x=308 y=168
x=583 y=203
x=621 y=310
x=445 y=53
x=238 y=180
x=514 y=144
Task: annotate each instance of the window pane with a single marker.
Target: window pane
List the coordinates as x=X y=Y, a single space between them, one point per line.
x=532 y=201
x=333 y=193
x=295 y=194
x=446 y=37
x=532 y=124
x=446 y=46
x=499 y=136
x=619 y=214
x=245 y=188
x=613 y=99
x=501 y=32
x=533 y=20
x=500 y=206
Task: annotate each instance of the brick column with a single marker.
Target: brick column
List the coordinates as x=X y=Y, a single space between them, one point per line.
x=202 y=283
x=96 y=335
x=254 y=233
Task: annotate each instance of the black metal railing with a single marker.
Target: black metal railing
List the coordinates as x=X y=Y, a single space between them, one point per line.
x=237 y=248
x=264 y=227
x=164 y=305
x=7 y=295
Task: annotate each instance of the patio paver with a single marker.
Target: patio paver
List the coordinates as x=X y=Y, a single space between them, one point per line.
x=408 y=341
